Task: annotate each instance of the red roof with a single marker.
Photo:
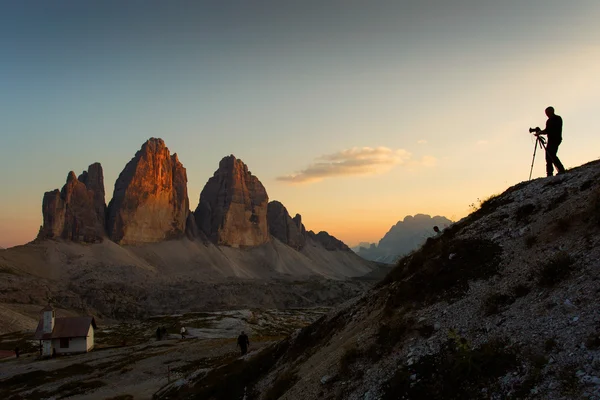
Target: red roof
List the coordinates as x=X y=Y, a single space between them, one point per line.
x=69 y=327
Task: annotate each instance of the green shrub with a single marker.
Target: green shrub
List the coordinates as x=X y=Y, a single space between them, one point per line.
x=393 y=332
x=521 y=290
x=494 y=302
x=530 y=241
x=567 y=376
x=586 y=185
x=593 y=341
x=350 y=356
x=555 y=270
x=457 y=371
x=442 y=269
x=550 y=344
x=524 y=213
x=426 y=330
x=281 y=385
x=562 y=225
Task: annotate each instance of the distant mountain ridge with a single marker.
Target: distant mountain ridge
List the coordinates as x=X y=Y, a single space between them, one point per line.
x=150 y=204
x=403 y=237
x=147 y=253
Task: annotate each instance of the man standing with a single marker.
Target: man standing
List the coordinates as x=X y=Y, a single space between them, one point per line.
x=554 y=132
x=243 y=342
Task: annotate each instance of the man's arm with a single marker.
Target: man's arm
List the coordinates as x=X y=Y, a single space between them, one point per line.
x=551 y=127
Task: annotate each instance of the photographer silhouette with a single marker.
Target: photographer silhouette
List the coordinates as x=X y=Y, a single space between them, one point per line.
x=554 y=133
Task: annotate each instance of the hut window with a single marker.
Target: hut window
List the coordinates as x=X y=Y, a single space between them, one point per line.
x=64 y=343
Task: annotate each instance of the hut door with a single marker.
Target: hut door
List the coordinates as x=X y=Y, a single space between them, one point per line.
x=47 y=347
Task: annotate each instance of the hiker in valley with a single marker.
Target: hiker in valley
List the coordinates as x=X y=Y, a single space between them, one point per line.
x=17 y=351
x=158 y=333
x=243 y=342
x=182 y=332
x=554 y=133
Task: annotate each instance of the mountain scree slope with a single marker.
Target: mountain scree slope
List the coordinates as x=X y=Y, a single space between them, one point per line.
x=502 y=305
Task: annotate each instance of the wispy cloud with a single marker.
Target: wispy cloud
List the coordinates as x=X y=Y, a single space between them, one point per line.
x=422 y=141
x=428 y=161
x=355 y=161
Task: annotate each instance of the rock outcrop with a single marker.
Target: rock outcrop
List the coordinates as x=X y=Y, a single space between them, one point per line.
x=93 y=179
x=150 y=201
x=298 y=221
x=329 y=242
x=233 y=206
x=77 y=212
x=283 y=227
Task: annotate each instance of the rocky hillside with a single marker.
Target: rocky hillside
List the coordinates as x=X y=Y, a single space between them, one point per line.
x=404 y=237
x=502 y=305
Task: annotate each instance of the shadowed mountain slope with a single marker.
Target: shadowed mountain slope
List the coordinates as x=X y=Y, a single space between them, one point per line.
x=504 y=304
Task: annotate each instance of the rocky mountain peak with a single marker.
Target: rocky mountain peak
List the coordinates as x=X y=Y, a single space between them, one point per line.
x=150 y=201
x=77 y=211
x=232 y=210
x=283 y=227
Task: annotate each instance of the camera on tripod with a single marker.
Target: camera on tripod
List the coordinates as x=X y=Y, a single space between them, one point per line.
x=539 y=141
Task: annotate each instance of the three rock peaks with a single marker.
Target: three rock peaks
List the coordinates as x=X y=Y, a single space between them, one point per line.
x=150 y=204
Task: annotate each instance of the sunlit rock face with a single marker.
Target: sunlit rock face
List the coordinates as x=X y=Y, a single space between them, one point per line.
x=150 y=201
x=233 y=206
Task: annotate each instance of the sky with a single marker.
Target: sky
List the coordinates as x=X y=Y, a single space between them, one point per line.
x=352 y=113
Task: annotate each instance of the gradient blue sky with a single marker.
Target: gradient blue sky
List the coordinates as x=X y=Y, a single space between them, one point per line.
x=389 y=108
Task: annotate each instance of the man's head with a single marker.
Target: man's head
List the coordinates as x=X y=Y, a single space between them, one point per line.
x=549 y=111
x=243 y=333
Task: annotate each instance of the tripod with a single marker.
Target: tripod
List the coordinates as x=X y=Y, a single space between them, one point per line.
x=542 y=143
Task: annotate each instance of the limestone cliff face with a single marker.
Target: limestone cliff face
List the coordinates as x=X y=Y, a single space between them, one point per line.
x=233 y=206
x=283 y=227
x=150 y=201
x=93 y=179
x=77 y=212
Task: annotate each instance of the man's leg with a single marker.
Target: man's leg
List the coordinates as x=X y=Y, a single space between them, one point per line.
x=551 y=149
x=557 y=163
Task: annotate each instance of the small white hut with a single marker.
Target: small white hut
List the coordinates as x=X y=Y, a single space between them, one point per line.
x=64 y=335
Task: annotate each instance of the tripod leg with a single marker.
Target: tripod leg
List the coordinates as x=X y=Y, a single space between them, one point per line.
x=532 y=161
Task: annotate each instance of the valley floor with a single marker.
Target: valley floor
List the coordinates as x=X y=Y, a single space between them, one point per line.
x=129 y=362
